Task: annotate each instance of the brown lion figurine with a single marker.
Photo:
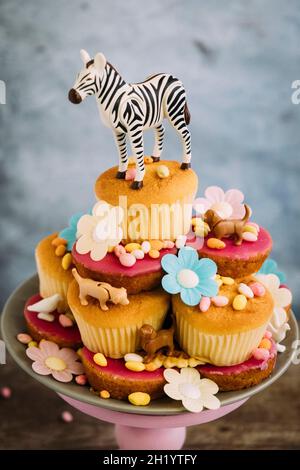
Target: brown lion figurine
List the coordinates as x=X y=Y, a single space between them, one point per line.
x=223 y=228
x=152 y=341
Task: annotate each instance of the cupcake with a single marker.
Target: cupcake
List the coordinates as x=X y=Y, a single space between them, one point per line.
x=54 y=268
x=224 y=335
x=114 y=332
x=161 y=210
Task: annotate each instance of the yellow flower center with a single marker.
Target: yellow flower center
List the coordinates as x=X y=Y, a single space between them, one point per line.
x=55 y=363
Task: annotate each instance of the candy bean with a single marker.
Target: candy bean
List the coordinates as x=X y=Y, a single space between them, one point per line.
x=133 y=357
x=261 y=354
x=219 y=282
x=132 y=246
x=154 y=254
x=180 y=241
x=104 y=394
x=24 y=338
x=193 y=362
x=249 y=237
x=130 y=174
x=250 y=228
x=220 y=300
x=156 y=245
x=168 y=244
x=32 y=344
x=139 y=398
x=162 y=171
x=135 y=366
x=127 y=260
x=268 y=334
x=154 y=365
x=239 y=302
x=138 y=254
x=58 y=241
x=146 y=246
x=265 y=344
x=148 y=160
x=67 y=417
x=204 y=304
x=100 y=359
x=245 y=290
x=228 y=281
x=257 y=289
x=60 y=250
x=46 y=316
x=181 y=362
x=215 y=244
x=81 y=379
x=253 y=224
x=5 y=392
x=66 y=261
x=65 y=321
x=119 y=250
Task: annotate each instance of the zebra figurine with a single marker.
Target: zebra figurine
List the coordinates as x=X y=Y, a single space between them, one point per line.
x=130 y=108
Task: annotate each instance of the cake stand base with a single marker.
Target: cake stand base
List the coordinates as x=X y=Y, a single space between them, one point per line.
x=151 y=432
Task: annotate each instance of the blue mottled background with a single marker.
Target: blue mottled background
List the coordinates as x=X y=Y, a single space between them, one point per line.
x=237 y=60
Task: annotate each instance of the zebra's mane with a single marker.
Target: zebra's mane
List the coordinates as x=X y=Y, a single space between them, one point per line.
x=90 y=62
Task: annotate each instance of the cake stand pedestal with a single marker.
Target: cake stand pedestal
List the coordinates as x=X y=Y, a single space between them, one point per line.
x=150 y=432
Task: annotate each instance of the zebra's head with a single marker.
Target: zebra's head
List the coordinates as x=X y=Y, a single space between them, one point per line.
x=88 y=80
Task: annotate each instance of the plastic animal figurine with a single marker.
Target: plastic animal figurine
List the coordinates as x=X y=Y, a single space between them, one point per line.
x=101 y=291
x=222 y=228
x=130 y=108
x=152 y=341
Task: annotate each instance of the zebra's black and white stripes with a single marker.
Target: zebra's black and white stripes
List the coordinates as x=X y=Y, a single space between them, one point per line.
x=128 y=109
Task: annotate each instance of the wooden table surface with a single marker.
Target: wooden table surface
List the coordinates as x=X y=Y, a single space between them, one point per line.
x=31 y=419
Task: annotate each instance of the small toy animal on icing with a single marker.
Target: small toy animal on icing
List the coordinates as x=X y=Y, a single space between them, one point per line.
x=130 y=108
x=101 y=291
x=222 y=228
x=152 y=341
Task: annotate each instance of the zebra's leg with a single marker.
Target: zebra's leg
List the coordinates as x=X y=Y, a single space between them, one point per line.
x=120 y=140
x=179 y=124
x=159 y=133
x=137 y=145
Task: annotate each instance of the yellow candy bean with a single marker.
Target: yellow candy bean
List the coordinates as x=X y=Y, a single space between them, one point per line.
x=156 y=245
x=228 y=281
x=162 y=171
x=132 y=246
x=154 y=254
x=60 y=250
x=239 y=302
x=170 y=362
x=154 y=365
x=215 y=243
x=32 y=344
x=104 y=394
x=250 y=228
x=139 y=398
x=135 y=366
x=100 y=359
x=193 y=362
x=265 y=344
x=58 y=241
x=182 y=362
x=66 y=261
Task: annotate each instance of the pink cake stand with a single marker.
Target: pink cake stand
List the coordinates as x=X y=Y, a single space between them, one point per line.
x=137 y=431
x=160 y=425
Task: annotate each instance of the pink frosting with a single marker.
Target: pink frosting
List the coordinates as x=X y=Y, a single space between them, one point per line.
x=244 y=251
x=111 y=264
x=70 y=334
x=250 y=364
x=117 y=367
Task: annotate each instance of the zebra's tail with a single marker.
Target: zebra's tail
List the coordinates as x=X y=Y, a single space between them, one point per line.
x=187 y=114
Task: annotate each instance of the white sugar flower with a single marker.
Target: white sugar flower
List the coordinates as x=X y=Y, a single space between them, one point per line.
x=194 y=392
x=98 y=232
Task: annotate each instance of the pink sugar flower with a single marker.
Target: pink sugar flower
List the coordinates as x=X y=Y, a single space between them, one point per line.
x=228 y=205
x=49 y=359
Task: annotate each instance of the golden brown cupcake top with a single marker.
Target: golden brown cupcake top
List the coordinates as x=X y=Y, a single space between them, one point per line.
x=46 y=257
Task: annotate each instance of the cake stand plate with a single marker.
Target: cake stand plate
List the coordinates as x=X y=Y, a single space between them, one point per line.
x=130 y=420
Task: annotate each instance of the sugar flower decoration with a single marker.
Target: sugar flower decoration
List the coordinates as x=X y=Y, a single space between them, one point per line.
x=270 y=267
x=228 y=205
x=100 y=231
x=49 y=359
x=189 y=276
x=282 y=297
x=194 y=392
x=69 y=233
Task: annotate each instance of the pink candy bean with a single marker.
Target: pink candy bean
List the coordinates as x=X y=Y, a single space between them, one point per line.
x=204 y=304
x=5 y=392
x=127 y=260
x=65 y=321
x=261 y=354
x=268 y=334
x=81 y=379
x=119 y=250
x=130 y=174
x=146 y=246
x=257 y=289
x=138 y=254
x=168 y=244
x=24 y=338
x=220 y=300
x=249 y=237
x=67 y=417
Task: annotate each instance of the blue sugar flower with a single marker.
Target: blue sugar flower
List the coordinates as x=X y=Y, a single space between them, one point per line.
x=270 y=267
x=69 y=233
x=189 y=276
